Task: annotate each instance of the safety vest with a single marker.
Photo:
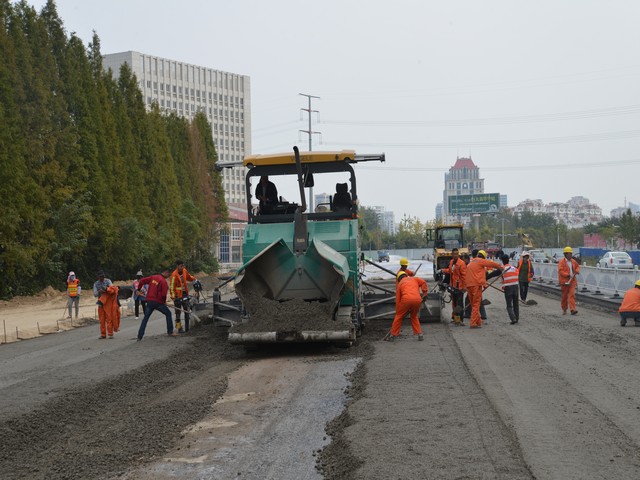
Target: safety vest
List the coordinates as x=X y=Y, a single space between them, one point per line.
x=509 y=276
x=72 y=287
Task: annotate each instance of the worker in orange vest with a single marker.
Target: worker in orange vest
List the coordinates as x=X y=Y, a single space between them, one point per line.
x=510 y=288
x=409 y=293
x=475 y=281
x=179 y=292
x=73 y=291
x=568 y=268
x=457 y=272
x=630 y=307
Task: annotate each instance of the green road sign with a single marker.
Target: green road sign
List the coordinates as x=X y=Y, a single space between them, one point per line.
x=478 y=203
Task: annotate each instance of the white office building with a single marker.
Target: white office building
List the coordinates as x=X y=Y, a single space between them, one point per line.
x=186 y=89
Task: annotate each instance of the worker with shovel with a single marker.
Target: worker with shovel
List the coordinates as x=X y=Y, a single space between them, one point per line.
x=409 y=293
x=568 y=268
x=457 y=271
x=476 y=281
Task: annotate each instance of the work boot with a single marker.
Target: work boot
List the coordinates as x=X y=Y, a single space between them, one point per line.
x=392 y=338
x=574 y=312
x=420 y=337
x=623 y=323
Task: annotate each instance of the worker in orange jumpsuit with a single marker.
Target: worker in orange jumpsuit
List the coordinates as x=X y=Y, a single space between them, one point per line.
x=457 y=272
x=404 y=267
x=568 y=268
x=409 y=293
x=630 y=307
x=475 y=282
x=108 y=308
x=179 y=291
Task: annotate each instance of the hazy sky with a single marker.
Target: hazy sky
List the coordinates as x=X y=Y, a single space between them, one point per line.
x=544 y=96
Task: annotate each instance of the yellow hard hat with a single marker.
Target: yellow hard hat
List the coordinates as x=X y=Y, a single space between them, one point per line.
x=567 y=250
x=404 y=262
x=637 y=283
x=401 y=274
x=483 y=253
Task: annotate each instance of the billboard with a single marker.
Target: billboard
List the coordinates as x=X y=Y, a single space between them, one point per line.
x=477 y=203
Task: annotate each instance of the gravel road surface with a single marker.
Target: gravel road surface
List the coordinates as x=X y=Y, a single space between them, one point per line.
x=552 y=397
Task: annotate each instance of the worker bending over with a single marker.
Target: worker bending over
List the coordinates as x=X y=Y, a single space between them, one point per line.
x=476 y=281
x=409 y=294
x=630 y=307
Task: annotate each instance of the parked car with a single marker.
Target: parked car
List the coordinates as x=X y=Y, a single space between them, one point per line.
x=383 y=256
x=615 y=260
x=538 y=256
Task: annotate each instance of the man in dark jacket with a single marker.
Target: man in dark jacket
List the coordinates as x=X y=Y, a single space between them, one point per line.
x=156 y=300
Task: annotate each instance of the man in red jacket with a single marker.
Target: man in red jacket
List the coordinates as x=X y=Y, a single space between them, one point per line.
x=409 y=292
x=156 y=300
x=630 y=307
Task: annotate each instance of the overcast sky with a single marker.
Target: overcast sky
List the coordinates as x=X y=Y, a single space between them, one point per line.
x=544 y=96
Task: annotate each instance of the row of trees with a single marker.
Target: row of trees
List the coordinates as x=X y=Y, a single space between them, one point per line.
x=89 y=178
x=505 y=228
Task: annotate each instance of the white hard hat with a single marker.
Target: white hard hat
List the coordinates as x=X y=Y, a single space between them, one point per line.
x=139 y=274
x=72 y=273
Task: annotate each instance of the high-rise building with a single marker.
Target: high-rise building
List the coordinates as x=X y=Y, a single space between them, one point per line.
x=185 y=89
x=462 y=179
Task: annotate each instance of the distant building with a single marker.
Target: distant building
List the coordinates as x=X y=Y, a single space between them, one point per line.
x=575 y=213
x=185 y=89
x=439 y=212
x=225 y=99
x=386 y=219
x=618 y=212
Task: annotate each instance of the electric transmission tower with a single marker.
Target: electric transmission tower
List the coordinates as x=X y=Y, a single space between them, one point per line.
x=311 y=133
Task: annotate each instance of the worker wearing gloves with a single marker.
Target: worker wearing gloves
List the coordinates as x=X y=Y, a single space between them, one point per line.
x=457 y=272
x=108 y=308
x=156 y=300
x=510 y=288
x=630 y=307
x=475 y=282
x=409 y=293
x=404 y=264
x=568 y=268
x=180 y=294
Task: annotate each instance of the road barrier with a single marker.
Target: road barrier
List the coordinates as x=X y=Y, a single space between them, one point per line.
x=594 y=280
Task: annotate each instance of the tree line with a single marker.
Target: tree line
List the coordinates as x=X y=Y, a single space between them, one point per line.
x=504 y=227
x=90 y=178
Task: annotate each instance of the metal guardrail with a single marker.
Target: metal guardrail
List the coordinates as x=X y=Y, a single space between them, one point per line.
x=611 y=281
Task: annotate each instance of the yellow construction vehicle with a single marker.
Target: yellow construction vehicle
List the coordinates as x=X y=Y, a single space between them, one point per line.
x=443 y=239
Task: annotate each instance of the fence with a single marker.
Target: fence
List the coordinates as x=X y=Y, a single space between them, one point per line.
x=598 y=281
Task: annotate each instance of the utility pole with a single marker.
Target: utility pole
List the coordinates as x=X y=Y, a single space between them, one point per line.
x=310 y=133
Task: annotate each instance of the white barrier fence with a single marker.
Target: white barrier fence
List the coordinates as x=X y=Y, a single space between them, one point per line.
x=592 y=279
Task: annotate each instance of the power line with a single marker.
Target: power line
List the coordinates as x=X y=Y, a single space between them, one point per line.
x=576 y=115
x=504 y=143
x=554 y=166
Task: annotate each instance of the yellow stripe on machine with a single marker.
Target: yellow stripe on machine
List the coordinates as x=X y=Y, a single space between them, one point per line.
x=305 y=157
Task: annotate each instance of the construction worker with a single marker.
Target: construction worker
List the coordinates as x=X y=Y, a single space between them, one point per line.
x=73 y=293
x=156 y=300
x=409 y=293
x=630 y=307
x=510 y=289
x=404 y=264
x=525 y=274
x=475 y=281
x=139 y=294
x=267 y=194
x=108 y=308
x=467 y=304
x=179 y=292
x=568 y=268
x=457 y=271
